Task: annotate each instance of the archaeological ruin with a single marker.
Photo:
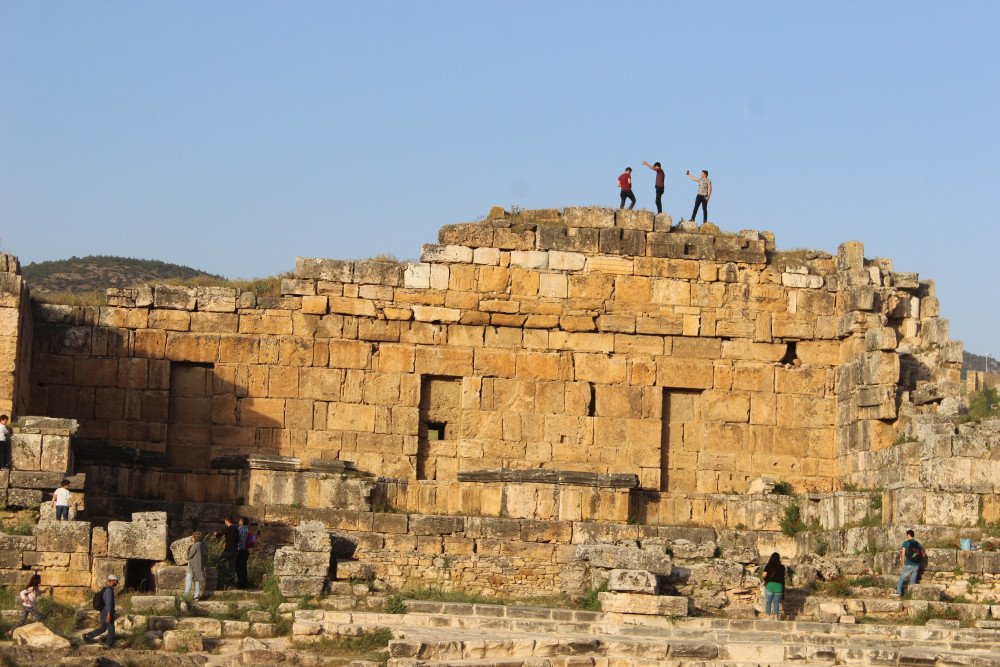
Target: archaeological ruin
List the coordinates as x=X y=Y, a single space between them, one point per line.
x=547 y=399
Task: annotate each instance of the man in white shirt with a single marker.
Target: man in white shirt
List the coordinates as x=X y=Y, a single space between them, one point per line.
x=61 y=500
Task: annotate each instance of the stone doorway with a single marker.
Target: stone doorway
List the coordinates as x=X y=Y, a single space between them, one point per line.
x=440 y=420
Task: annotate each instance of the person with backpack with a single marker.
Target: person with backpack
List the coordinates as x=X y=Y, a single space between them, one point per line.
x=913 y=556
x=230 y=551
x=197 y=553
x=104 y=603
x=29 y=596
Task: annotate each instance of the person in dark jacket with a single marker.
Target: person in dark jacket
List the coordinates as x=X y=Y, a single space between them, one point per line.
x=107 y=615
x=196 y=555
x=227 y=561
x=774 y=585
x=242 y=554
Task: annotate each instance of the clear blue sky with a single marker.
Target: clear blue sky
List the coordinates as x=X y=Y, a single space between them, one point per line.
x=234 y=136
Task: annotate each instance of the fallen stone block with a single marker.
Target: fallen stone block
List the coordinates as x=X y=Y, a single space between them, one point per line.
x=926 y=592
x=687 y=549
x=145 y=537
x=297 y=586
x=830 y=612
x=65 y=536
x=36 y=635
x=290 y=561
x=637 y=603
x=633 y=581
x=145 y=604
x=183 y=640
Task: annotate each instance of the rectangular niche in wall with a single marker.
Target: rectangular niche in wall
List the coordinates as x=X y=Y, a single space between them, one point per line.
x=189 y=428
x=440 y=417
x=680 y=440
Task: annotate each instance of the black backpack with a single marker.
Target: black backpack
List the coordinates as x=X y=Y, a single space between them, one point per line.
x=98 y=602
x=914 y=552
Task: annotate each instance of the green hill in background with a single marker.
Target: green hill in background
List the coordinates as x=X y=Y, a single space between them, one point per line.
x=96 y=273
x=977 y=362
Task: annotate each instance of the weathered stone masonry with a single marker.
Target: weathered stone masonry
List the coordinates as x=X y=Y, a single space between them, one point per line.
x=556 y=368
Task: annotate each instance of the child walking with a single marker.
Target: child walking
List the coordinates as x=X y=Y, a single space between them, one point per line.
x=29 y=596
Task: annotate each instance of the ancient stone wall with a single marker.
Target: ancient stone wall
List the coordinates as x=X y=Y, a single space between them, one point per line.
x=15 y=338
x=587 y=340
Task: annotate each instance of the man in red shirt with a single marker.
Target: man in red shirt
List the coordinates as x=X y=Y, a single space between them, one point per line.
x=625 y=183
x=659 y=184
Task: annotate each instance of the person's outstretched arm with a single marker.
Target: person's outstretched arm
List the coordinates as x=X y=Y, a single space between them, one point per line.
x=649 y=165
x=692 y=177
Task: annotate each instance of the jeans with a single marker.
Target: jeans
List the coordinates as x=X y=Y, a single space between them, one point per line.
x=627 y=194
x=227 y=567
x=24 y=617
x=62 y=512
x=187 y=585
x=910 y=571
x=700 y=201
x=105 y=626
x=242 y=578
x=772 y=600
x=659 y=200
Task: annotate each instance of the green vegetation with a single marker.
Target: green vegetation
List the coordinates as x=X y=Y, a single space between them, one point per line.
x=368 y=645
x=822 y=547
x=982 y=405
x=791 y=521
x=782 y=489
x=96 y=273
x=394 y=605
x=18 y=523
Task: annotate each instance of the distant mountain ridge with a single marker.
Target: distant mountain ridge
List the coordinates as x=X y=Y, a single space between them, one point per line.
x=96 y=273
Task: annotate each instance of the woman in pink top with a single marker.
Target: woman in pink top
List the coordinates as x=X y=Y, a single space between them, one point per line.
x=29 y=596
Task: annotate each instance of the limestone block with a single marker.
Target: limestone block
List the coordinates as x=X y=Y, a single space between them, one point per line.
x=801 y=280
x=207 y=627
x=529 y=259
x=24 y=497
x=188 y=641
x=566 y=261
x=850 y=256
x=222 y=299
x=150 y=604
x=296 y=586
x=905 y=280
x=292 y=562
x=927 y=592
x=175 y=297
x=567 y=239
x=830 y=612
x=861 y=297
x=371 y=272
x=64 y=536
x=471 y=234
x=312 y=536
x=637 y=603
x=56 y=454
x=632 y=219
x=236 y=628
x=882 y=338
x=145 y=537
x=614 y=557
x=436 y=314
x=934 y=391
x=879 y=368
x=451 y=254
x=36 y=635
x=355 y=569
x=417 y=276
x=324 y=269
x=588 y=216
x=102 y=567
x=662 y=222
x=686 y=549
x=26 y=451
x=633 y=581
x=760 y=485
x=293 y=286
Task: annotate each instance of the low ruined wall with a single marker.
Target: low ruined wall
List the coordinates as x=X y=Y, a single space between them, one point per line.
x=16 y=331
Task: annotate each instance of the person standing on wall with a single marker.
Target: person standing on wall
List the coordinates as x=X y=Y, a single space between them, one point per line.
x=774 y=585
x=704 y=194
x=659 y=184
x=61 y=500
x=912 y=557
x=625 y=183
